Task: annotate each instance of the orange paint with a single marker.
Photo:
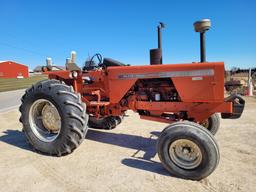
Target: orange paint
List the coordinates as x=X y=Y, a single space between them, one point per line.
x=194 y=91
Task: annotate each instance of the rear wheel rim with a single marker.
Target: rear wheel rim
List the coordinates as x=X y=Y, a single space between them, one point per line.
x=185 y=153
x=44 y=120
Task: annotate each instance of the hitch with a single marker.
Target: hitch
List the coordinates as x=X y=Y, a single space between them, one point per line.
x=237 y=107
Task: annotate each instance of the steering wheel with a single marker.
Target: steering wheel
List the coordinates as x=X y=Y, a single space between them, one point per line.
x=99 y=58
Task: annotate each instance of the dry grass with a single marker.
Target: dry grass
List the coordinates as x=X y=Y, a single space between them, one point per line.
x=14 y=84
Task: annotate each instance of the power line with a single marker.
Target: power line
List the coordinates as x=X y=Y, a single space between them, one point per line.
x=24 y=49
x=25 y=41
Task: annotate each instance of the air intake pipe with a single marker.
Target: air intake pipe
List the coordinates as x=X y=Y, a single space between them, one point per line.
x=201 y=27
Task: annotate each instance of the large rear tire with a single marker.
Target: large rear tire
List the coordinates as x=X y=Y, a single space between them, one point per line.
x=54 y=118
x=104 y=123
x=187 y=150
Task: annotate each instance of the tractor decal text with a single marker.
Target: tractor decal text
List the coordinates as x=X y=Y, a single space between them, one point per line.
x=192 y=73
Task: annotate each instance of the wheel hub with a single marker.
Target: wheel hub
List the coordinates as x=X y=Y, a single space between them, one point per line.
x=185 y=154
x=44 y=120
x=51 y=118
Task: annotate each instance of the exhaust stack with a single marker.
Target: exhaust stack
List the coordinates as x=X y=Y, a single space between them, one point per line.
x=156 y=57
x=201 y=27
x=159 y=34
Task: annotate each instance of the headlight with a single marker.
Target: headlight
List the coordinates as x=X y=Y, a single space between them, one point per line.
x=73 y=74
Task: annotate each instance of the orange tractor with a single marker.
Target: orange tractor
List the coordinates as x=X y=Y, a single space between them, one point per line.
x=57 y=112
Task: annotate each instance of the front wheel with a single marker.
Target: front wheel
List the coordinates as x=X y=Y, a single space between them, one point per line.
x=212 y=123
x=187 y=150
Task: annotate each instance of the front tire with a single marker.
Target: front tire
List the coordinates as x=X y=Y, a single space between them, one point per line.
x=212 y=123
x=187 y=150
x=54 y=118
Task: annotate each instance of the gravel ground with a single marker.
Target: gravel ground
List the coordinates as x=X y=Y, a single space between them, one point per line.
x=125 y=159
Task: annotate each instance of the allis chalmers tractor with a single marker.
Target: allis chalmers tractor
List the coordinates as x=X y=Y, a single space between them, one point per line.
x=55 y=112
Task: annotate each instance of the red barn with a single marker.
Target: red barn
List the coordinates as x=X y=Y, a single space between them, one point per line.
x=10 y=69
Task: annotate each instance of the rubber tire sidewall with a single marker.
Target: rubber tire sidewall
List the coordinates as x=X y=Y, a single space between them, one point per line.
x=55 y=147
x=206 y=143
x=214 y=123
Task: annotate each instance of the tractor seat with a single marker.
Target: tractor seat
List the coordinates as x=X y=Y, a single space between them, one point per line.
x=108 y=62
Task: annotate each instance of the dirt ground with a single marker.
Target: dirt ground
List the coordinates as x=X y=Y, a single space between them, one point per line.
x=125 y=159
